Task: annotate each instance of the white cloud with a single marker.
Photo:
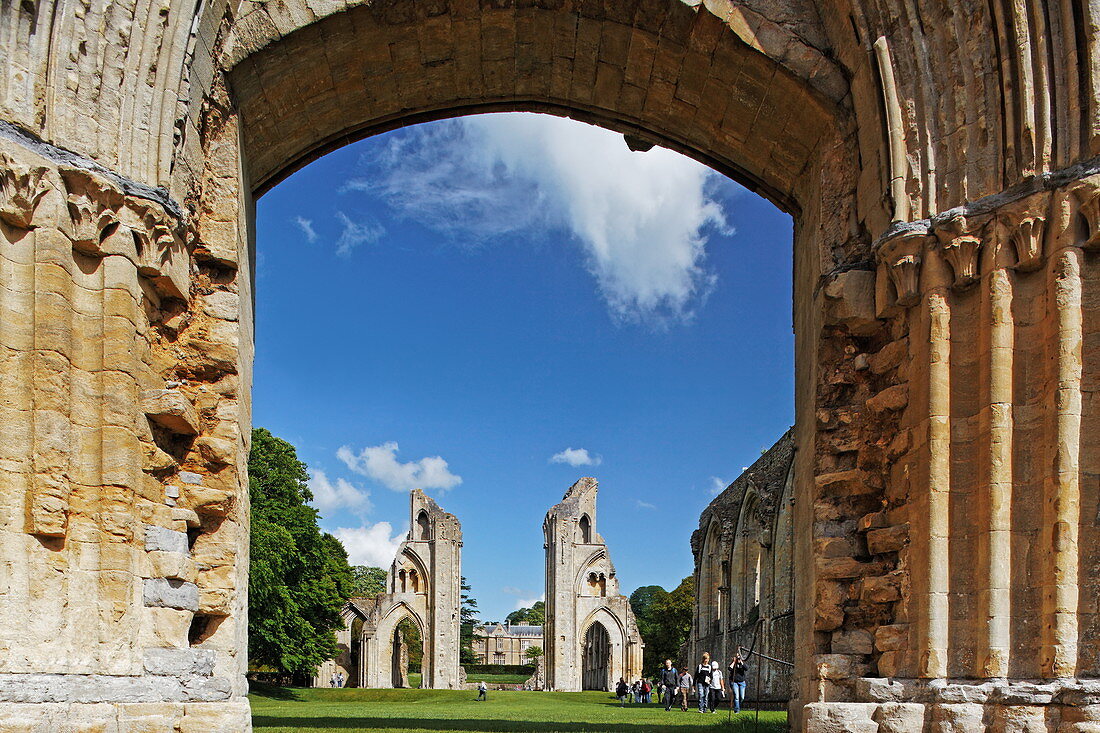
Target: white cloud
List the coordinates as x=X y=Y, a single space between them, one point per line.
x=356 y=233
x=528 y=602
x=370 y=544
x=524 y=598
x=717 y=485
x=645 y=504
x=576 y=457
x=329 y=496
x=380 y=463
x=642 y=219
x=306 y=225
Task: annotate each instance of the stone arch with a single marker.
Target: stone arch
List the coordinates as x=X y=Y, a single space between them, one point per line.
x=747 y=561
x=934 y=157
x=410 y=573
x=584 y=530
x=712 y=590
x=423 y=527
x=383 y=661
x=294 y=91
x=611 y=625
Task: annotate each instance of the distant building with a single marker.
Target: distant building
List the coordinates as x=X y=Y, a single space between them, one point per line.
x=505 y=643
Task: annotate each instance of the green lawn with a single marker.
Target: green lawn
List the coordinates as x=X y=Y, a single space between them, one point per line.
x=282 y=710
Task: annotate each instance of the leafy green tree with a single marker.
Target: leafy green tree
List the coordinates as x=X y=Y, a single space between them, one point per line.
x=533 y=653
x=668 y=621
x=299 y=577
x=367 y=581
x=468 y=614
x=533 y=616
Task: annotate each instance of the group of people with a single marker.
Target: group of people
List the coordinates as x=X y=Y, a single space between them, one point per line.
x=709 y=682
x=640 y=691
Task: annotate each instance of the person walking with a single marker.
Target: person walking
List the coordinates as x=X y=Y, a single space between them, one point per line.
x=702 y=681
x=717 y=686
x=482 y=688
x=669 y=681
x=684 y=686
x=646 y=690
x=620 y=692
x=738 y=673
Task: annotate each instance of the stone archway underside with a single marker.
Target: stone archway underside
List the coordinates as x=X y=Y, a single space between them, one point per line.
x=938 y=162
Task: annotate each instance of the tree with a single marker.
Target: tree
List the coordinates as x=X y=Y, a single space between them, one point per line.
x=669 y=622
x=367 y=581
x=299 y=577
x=468 y=614
x=643 y=602
x=533 y=616
x=533 y=653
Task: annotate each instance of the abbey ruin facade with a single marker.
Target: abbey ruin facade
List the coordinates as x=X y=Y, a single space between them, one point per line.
x=940 y=164
x=590 y=635
x=423 y=585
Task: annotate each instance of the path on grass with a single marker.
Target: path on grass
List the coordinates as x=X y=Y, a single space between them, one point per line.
x=284 y=710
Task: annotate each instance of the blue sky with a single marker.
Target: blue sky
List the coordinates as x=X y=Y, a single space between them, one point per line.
x=495 y=306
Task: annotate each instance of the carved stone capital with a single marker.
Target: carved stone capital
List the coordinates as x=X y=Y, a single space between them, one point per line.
x=161 y=254
x=901 y=256
x=93 y=210
x=1027 y=241
x=1088 y=206
x=961 y=246
x=21 y=188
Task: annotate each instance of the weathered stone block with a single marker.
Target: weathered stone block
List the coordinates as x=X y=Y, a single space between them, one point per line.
x=889 y=539
x=208 y=501
x=217 y=451
x=900 y=717
x=881 y=589
x=854 y=641
x=839 y=717
x=160 y=539
x=179 y=662
x=892 y=637
x=169 y=593
x=170 y=408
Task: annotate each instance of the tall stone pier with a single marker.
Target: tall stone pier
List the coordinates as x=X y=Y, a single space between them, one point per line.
x=591 y=638
x=939 y=162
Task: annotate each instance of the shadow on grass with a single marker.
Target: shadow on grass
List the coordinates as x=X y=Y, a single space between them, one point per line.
x=510 y=726
x=273 y=692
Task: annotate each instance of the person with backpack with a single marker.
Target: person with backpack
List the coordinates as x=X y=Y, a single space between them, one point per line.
x=669 y=681
x=646 y=689
x=738 y=673
x=684 y=687
x=702 y=681
x=717 y=687
x=621 y=690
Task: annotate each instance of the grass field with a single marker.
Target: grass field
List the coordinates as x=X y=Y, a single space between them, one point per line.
x=283 y=710
x=497 y=679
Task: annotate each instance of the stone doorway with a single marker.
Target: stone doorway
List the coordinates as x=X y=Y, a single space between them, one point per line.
x=407 y=651
x=595 y=658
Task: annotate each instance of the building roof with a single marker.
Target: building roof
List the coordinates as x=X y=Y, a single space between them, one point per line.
x=510 y=630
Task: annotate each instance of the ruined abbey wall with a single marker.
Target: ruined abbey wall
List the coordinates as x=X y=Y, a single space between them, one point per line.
x=424 y=585
x=939 y=163
x=744 y=575
x=583 y=601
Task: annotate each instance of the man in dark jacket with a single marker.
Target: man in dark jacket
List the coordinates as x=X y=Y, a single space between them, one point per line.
x=668 y=680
